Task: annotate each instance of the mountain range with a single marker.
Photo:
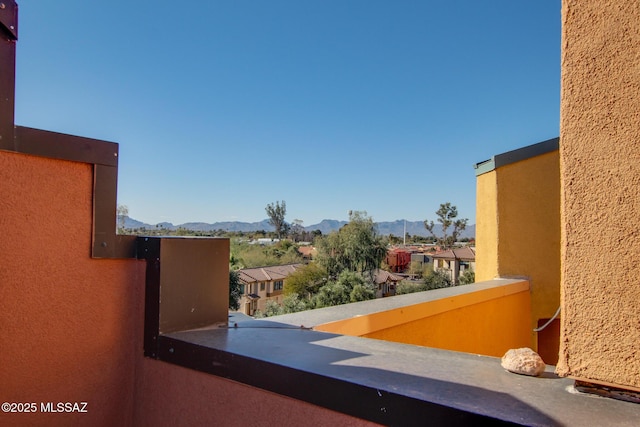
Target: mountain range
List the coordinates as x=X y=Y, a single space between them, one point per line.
x=397 y=227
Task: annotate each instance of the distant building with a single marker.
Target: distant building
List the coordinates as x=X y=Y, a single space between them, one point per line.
x=386 y=283
x=419 y=260
x=398 y=260
x=264 y=241
x=307 y=252
x=455 y=262
x=261 y=284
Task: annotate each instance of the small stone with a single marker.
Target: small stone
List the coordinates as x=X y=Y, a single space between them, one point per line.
x=523 y=361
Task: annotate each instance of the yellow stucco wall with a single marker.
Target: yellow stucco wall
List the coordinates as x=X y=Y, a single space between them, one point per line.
x=529 y=231
x=518 y=230
x=486 y=227
x=488 y=322
x=600 y=172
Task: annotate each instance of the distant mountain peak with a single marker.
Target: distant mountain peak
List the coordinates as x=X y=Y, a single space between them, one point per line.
x=326 y=226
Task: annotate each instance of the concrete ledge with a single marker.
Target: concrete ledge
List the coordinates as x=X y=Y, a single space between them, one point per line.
x=384 y=382
x=367 y=316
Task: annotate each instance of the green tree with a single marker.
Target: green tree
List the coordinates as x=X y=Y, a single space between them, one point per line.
x=355 y=247
x=276 y=212
x=349 y=287
x=436 y=280
x=407 y=287
x=467 y=277
x=305 y=281
x=271 y=308
x=418 y=269
x=296 y=231
x=234 y=290
x=361 y=292
x=331 y=294
x=447 y=215
x=293 y=304
x=356 y=286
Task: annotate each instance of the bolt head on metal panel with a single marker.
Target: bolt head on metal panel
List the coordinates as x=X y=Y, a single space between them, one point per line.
x=9 y=18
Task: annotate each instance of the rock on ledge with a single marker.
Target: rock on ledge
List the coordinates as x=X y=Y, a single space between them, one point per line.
x=523 y=361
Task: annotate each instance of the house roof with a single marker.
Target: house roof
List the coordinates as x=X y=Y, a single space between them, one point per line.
x=308 y=251
x=267 y=274
x=466 y=253
x=382 y=276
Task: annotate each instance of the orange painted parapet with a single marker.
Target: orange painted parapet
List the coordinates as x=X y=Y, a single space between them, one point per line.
x=488 y=321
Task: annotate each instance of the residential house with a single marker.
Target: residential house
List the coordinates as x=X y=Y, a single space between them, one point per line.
x=262 y=284
x=398 y=260
x=386 y=283
x=455 y=262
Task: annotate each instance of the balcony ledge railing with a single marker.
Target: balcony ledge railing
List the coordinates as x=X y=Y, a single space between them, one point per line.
x=385 y=382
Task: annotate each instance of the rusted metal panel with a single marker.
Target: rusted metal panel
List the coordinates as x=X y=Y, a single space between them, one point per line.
x=105 y=180
x=9 y=19
x=148 y=249
x=187 y=285
x=56 y=145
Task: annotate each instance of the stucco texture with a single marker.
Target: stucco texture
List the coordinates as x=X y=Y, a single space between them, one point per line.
x=529 y=229
x=486 y=227
x=600 y=173
x=170 y=395
x=71 y=327
x=489 y=327
x=66 y=328
x=518 y=231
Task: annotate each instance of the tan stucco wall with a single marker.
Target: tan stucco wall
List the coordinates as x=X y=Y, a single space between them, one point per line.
x=518 y=230
x=600 y=172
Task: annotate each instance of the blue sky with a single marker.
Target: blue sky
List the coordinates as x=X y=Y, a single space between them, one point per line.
x=221 y=107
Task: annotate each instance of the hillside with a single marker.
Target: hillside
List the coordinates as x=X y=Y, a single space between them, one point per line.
x=325 y=226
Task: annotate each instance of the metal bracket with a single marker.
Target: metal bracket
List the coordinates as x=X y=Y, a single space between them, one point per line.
x=9 y=18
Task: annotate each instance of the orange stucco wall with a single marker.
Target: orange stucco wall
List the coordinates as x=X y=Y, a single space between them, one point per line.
x=71 y=327
x=66 y=328
x=190 y=398
x=600 y=172
x=488 y=322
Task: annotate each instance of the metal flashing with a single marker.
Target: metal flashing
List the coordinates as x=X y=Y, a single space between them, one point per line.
x=56 y=145
x=378 y=404
x=9 y=19
x=103 y=155
x=517 y=155
x=186 y=285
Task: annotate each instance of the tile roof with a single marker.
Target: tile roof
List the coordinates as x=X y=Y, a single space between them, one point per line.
x=382 y=276
x=466 y=253
x=307 y=251
x=267 y=274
